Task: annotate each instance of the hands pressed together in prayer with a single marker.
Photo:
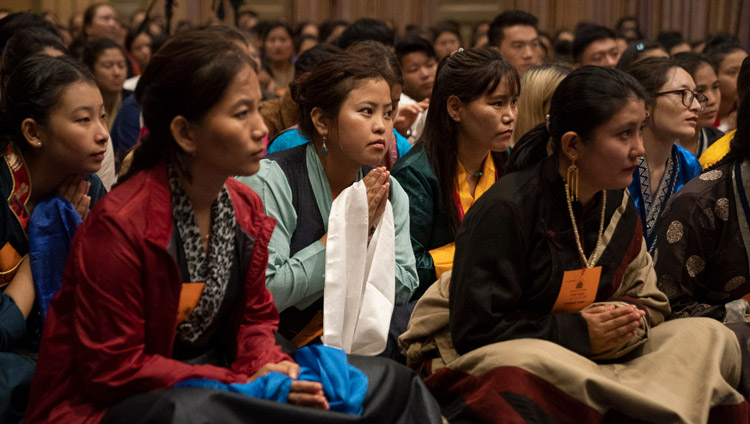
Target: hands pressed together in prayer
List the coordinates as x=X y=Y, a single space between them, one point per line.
x=378 y=184
x=302 y=393
x=610 y=326
x=75 y=189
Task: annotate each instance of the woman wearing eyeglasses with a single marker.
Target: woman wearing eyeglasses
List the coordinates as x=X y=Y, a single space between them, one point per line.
x=672 y=114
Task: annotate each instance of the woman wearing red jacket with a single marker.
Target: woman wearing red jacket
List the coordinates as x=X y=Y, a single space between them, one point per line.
x=169 y=271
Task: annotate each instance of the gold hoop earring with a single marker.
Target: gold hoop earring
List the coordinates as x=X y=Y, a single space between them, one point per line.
x=571 y=182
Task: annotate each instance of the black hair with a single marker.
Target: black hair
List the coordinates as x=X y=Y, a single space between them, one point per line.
x=326 y=28
x=508 y=19
x=739 y=149
x=28 y=42
x=34 y=89
x=299 y=40
x=15 y=22
x=743 y=78
x=269 y=26
x=382 y=56
x=365 y=29
x=621 y=21
x=134 y=33
x=231 y=33
x=588 y=33
x=670 y=39
x=584 y=101
x=311 y=58
x=691 y=62
x=718 y=46
x=328 y=85
x=529 y=150
x=89 y=13
x=94 y=49
x=467 y=75
x=446 y=26
x=633 y=53
x=187 y=77
x=413 y=44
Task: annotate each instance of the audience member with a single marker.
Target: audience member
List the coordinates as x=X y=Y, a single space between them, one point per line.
x=447 y=39
x=673 y=107
x=707 y=84
x=595 y=45
x=53 y=139
x=513 y=33
x=345 y=110
x=460 y=155
x=418 y=64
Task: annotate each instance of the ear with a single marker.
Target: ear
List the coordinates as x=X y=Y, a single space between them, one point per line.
x=321 y=122
x=32 y=132
x=454 y=108
x=570 y=144
x=183 y=134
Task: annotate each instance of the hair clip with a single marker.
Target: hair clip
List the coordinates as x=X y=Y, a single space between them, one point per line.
x=460 y=49
x=640 y=47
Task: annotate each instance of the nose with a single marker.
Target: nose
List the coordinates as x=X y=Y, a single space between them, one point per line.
x=611 y=61
x=528 y=51
x=695 y=105
x=638 y=150
x=259 y=129
x=379 y=124
x=102 y=133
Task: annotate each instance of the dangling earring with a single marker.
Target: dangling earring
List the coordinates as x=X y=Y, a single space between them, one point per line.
x=571 y=183
x=324 y=150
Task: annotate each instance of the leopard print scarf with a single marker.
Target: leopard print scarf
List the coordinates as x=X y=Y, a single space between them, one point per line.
x=212 y=267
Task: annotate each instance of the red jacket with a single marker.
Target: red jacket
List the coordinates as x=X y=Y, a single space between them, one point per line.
x=110 y=330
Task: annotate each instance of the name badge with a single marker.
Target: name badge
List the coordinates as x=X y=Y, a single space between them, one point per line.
x=578 y=289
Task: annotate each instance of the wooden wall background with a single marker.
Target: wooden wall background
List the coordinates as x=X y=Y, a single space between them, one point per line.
x=695 y=18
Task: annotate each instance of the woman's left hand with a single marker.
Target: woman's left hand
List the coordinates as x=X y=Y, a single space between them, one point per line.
x=75 y=189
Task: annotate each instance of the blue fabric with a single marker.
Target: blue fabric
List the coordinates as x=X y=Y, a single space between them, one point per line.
x=51 y=229
x=126 y=128
x=687 y=167
x=272 y=386
x=292 y=138
x=402 y=144
x=344 y=385
x=13 y=324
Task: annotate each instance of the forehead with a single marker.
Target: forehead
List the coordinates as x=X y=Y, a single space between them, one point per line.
x=733 y=59
x=678 y=78
x=79 y=94
x=374 y=90
x=278 y=32
x=599 y=46
x=243 y=84
x=446 y=35
x=632 y=112
x=705 y=74
x=111 y=54
x=504 y=88
x=414 y=58
x=519 y=33
x=104 y=11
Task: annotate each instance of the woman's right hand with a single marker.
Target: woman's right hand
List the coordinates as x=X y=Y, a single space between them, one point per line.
x=610 y=327
x=302 y=393
x=75 y=189
x=377 y=183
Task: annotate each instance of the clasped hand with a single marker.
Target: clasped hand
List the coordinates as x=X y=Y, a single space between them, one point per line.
x=302 y=393
x=610 y=327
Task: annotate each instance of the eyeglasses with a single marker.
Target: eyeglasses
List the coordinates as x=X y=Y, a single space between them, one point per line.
x=688 y=96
